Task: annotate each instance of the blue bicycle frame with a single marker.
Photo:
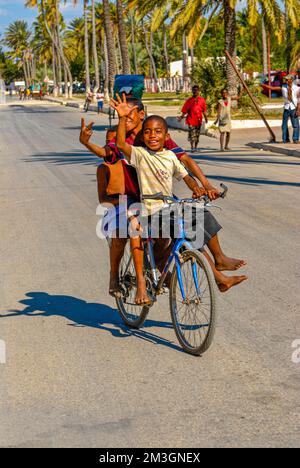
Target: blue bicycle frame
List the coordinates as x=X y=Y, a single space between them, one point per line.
x=175 y=254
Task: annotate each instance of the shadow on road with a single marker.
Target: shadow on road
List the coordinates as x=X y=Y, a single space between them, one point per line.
x=254 y=160
x=65 y=158
x=85 y=314
x=252 y=181
x=23 y=109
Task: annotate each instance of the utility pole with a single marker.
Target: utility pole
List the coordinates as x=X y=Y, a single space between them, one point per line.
x=269 y=63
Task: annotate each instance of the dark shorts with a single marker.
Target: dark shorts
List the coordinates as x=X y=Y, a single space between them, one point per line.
x=199 y=226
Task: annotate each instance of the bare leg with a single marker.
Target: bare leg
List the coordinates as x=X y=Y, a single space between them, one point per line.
x=227 y=140
x=221 y=260
x=222 y=134
x=224 y=283
x=162 y=249
x=138 y=260
x=116 y=253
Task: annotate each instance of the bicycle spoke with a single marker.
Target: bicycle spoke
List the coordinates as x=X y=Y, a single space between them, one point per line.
x=193 y=315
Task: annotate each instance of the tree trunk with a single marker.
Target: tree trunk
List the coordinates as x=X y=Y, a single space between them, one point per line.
x=29 y=75
x=25 y=71
x=288 y=47
x=149 y=51
x=95 y=54
x=166 y=50
x=133 y=44
x=184 y=63
x=119 y=58
x=230 y=32
x=111 y=50
x=192 y=60
x=86 y=47
x=264 y=46
x=106 y=71
x=55 y=89
x=59 y=72
x=57 y=43
x=122 y=39
x=66 y=83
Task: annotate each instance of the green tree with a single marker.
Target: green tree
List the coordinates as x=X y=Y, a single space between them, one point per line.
x=18 y=38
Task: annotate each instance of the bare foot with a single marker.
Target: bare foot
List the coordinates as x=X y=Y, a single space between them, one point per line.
x=230 y=264
x=113 y=285
x=230 y=281
x=141 y=297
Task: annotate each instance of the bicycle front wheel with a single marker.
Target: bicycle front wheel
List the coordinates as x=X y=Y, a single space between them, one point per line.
x=133 y=315
x=193 y=302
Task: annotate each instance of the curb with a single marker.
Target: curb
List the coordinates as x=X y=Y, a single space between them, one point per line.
x=181 y=126
x=275 y=149
x=76 y=105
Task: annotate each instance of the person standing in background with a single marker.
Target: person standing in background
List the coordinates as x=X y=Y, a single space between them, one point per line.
x=100 y=100
x=224 y=118
x=194 y=109
x=291 y=95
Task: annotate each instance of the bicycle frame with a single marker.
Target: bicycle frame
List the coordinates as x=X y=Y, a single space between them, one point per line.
x=175 y=254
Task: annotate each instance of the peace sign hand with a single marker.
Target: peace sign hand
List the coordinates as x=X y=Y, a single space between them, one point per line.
x=86 y=132
x=121 y=106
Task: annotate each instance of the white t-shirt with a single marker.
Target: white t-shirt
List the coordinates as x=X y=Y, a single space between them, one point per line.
x=295 y=96
x=99 y=97
x=155 y=173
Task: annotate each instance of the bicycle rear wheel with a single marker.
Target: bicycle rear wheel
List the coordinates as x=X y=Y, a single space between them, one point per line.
x=133 y=315
x=194 y=317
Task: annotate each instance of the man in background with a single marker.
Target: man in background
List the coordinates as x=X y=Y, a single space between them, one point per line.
x=194 y=109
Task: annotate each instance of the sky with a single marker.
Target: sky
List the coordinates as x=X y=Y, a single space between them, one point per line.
x=11 y=10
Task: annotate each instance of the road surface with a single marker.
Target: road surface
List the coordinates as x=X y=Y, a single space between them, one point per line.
x=74 y=375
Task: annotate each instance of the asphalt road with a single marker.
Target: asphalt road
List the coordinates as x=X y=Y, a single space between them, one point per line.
x=74 y=375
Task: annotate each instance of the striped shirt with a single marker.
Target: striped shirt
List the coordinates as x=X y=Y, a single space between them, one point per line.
x=155 y=173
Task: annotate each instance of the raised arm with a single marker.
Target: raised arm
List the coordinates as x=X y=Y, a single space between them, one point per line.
x=273 y=88
x=86 y=133
x=123 y=110
x=236 y=98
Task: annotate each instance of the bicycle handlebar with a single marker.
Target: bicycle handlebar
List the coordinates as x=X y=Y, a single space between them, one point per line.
x=166 y=198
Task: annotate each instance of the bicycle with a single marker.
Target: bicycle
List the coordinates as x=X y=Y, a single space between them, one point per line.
x=192 y=284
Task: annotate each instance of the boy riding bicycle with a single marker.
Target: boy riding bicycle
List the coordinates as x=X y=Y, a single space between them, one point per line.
x=156 y=168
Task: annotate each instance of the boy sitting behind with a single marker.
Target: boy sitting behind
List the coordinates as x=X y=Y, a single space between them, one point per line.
x=156 y=168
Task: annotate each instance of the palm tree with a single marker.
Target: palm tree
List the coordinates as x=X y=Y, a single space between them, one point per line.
x=186 y=16
x=18 y=38
x=230 y=35
x=43 y=47
x=95 y=53
x=86 y=46
x=122 y=38
x=110 y=46
x=133 y=43
x=52 y=20
x=148 y=37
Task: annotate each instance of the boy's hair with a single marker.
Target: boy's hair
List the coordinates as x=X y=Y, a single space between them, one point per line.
x=136 y=102
x=157 y=118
